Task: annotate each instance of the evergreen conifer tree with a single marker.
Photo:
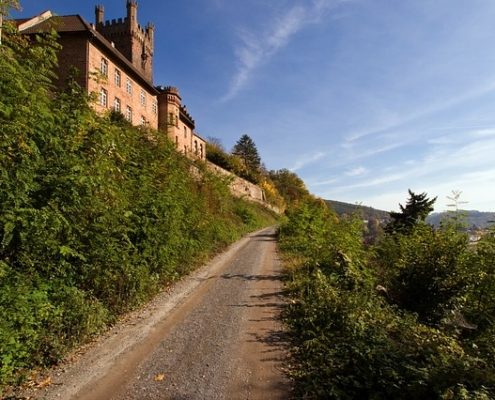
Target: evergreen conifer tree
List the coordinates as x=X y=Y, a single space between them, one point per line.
x=417 y=208
x=245 y=148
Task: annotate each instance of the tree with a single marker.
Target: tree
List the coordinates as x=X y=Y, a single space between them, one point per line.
x=417 y=208
x=216 y=154
x=455 y=216
x=373 y=231
x=247 y=151
x=5 y=6
x=289 y=185
x=215 y=142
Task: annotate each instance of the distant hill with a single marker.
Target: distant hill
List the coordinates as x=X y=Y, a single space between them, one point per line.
x=479 y=219
x=346 y=208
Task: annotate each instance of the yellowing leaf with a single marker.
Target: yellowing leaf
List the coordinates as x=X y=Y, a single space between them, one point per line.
x=44 y=383
x=159 y=377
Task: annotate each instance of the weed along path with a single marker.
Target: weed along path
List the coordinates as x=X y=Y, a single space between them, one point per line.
x=215 y=335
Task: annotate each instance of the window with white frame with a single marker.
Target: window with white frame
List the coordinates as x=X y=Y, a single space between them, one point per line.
x=128 y=113
x=103 y=98
x=117 y=106
x=104 y=67
x=142 y=98
x=154 y=106
x=117 y=77
x=128 y=86
x=142 y=120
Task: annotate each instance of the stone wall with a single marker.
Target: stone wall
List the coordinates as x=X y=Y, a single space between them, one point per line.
x=240 y=187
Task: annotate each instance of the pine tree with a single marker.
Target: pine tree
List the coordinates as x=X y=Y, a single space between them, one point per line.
x=247 y=152
x=417 y=208
x=245 y=148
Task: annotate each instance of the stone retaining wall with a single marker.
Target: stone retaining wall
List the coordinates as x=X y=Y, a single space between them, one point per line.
x=242 y=188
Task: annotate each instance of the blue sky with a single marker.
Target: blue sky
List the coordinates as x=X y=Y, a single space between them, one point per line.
x=363 y=99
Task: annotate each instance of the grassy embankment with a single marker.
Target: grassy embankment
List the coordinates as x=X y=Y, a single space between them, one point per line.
x=96 y=216
x=411 y=317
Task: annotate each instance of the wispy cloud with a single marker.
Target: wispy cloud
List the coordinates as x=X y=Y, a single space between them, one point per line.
x=324 y=182
x=443 y=140
x=258 y=47
x=401 y=121
x=482 y=133
x=382 y=148
x=358 y=171
x=307 y=159
x=462 y=136
x=372 y=182
x=471 y=164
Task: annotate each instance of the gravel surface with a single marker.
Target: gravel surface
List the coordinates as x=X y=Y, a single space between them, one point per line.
x=215 y=335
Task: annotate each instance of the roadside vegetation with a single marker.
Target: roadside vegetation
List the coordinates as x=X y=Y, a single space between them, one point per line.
x=245 y=161
x=96 y=216
x=409 y=316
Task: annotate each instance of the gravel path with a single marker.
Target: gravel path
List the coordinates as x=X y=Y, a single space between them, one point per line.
x=216 y=335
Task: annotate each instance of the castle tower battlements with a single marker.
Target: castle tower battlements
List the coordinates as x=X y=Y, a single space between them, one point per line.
x=132 y=40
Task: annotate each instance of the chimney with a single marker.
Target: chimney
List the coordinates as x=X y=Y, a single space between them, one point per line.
x=99 y=14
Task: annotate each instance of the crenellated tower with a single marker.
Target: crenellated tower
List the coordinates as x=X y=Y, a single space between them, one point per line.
x=175 y=121
x=169 y=104
x=133 y=41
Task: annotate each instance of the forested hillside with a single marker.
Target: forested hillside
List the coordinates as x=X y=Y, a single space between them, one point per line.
x=341 y=208
x=96 y=215
x=472 y=218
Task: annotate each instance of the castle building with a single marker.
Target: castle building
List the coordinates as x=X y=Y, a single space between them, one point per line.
x=174 y=118
x=114 y=61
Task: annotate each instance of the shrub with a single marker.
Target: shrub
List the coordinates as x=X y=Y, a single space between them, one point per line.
x=95 y=215
x=354 y=339
x=425 y=270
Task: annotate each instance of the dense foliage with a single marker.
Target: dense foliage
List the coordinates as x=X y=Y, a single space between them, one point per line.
x=246 y=163
x=243 y=161
x=95 y=215
x=290 y=186
x=412 y=317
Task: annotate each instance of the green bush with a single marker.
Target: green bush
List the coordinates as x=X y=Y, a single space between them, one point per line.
x=393 y=325
x=425 y=271
x=95 y=215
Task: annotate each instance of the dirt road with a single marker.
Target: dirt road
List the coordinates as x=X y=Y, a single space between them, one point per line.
x=216 y=335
